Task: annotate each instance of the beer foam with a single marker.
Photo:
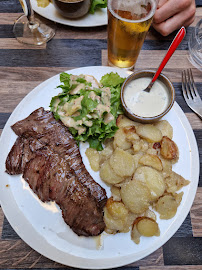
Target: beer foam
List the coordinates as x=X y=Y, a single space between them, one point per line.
x=135 y=9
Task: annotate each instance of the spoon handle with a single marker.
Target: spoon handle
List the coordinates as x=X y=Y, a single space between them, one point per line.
x=178 y=38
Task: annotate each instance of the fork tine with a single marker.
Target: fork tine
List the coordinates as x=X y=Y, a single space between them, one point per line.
x=195 y=91
x=185 y=89
x=190 y=83
x=183 y=86
x=191 y=97
x=187 y=84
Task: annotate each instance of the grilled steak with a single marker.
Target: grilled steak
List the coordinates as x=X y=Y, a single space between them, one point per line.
x=20 y=154
x=27 y=153
x=47 y=155
x=33 y=172
x=51 y=178
x=42 y=125
x=14 y=158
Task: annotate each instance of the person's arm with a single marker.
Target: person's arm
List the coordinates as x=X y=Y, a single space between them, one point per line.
x=172 y=14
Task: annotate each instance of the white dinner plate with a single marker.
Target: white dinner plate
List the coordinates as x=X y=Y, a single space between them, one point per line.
x=90 y=20
x=41 y=225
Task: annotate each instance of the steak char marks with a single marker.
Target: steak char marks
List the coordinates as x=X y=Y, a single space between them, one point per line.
x=51 y=178
x=47 y=155
x=42 y=125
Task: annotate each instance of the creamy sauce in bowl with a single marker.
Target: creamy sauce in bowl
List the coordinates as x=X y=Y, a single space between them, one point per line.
x=146 y=104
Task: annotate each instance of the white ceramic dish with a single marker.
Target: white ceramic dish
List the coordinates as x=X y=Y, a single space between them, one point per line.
x=90 y=20
x=41 y=225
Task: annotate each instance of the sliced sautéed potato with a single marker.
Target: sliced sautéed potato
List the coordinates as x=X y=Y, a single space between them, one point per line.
x=137 y=164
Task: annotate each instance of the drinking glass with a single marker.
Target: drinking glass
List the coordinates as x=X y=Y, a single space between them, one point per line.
x=195 y=45
x=27 y=29
x=128 y=24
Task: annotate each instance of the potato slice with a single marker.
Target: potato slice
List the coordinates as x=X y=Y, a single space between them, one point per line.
x=175 y=182
x=135 y=235
x=140 y=145
x=94 y=159
x=136 y=159
x=149 y=132
x=122 y=163
x=153 y=150
x=147 y=227
x=152 y=161
x=123 y=121
x=136 y=196
x=126 y=180
x=108 y=175
x=113 y=225
x=117 y=209
x=165 y=128
x=130 y=151
x=178 y=197
x=137 y=145
x=120 y=140
x=105 y=154
x=118 y=215
x=116 y=193
x=152 y=179
x=166 y=206
x=131 y=218
x=169 y=149
x=109 y=142
x=130 y=133
x=144 y=145
x=167 y=167
x=150 y=214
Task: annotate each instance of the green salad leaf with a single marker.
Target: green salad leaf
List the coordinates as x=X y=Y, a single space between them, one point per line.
x=95 y=4
x=112 y=80
x=90 y=113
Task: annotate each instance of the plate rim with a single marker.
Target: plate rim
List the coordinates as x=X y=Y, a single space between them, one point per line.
x=69 y=22
x=94 y=263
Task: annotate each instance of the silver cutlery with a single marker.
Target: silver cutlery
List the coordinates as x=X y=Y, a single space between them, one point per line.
x=190 y=92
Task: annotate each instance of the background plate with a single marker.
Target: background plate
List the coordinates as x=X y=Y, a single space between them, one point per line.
x=41 y=225
x=90 y=20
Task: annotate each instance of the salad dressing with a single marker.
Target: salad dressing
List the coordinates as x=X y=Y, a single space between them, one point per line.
x=108 y=118
x=143 y=103
x=89 y=108
x=70 y=122
x=77 y=89
x=71 y=109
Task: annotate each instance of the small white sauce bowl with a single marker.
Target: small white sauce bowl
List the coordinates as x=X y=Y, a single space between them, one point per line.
x=168 y=86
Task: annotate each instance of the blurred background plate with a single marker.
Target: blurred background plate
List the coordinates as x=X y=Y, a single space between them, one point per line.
x=90 y=20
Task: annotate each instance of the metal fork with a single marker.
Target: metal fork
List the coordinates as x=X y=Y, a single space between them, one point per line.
x=190 y=92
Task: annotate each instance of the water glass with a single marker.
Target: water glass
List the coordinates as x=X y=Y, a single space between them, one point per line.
x=195 y=45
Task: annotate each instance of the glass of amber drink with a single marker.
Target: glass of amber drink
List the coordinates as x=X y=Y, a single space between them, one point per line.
x=128 y=24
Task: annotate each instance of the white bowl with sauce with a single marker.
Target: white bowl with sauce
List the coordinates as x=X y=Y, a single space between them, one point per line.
x=147 y=107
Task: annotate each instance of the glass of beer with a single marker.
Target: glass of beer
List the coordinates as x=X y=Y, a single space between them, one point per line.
x=128 y=24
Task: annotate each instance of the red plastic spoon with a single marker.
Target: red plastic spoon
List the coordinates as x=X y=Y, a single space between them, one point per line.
x=176 y=41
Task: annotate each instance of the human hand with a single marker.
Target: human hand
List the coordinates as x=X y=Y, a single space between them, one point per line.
x=173 y=14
